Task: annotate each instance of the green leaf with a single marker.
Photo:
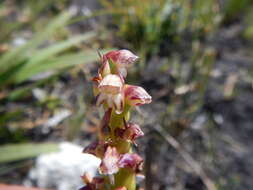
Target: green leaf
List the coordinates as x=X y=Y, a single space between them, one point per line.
x=52 y=50
x=54 y=64
x=57 y=63
x=15 y=152
x=20 y=54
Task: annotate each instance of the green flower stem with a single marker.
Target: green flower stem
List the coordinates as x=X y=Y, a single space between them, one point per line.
x=125 y=177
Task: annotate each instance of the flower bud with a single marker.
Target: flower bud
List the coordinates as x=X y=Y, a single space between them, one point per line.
x=136 y=95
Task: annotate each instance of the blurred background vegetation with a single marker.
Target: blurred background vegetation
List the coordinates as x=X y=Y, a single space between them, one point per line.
x=196 y=62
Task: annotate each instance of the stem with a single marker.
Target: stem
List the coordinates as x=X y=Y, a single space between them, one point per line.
x=125 y=177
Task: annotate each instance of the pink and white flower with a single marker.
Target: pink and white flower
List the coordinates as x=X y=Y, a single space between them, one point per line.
x=110 y=92
x=109 y=164
x=121 y=58
x=130 y=133
x=131 y=161
x=136 y=95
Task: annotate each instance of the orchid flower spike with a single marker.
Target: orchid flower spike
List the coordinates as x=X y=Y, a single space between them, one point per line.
x=119 y=166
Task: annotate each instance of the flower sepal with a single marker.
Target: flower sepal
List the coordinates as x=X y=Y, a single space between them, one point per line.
x=136 y=95
x=130 y=133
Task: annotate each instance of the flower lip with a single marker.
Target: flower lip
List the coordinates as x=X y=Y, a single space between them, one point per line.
x=110 y=84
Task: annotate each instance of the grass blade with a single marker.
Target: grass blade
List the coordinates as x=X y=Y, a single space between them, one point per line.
x=48 y=52
x=15 y=152
x=19 y=54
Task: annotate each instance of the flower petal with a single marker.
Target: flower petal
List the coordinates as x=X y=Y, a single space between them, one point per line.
x=104 y=126
x=100 y=99
x=122 y=58
x=104 y=69
x=118 y=102
x=123 y=71
x=132 y=132
x=97 y=148
x=91 y=148
x=111 y=84
x=109 y=163
x=133 y=161
x=136 y=95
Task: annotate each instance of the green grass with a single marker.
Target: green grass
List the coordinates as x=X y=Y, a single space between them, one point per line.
x=144 y=24
x=16 y=152
x=50 y=47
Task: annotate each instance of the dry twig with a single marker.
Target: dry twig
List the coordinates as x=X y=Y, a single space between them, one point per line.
x=187 y=157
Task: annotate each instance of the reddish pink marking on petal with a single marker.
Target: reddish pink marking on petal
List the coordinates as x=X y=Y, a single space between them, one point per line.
x=122 y=58
x=113 y=55
x=136 y=95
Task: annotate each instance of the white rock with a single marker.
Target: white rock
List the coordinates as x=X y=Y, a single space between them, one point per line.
x=62 y=170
